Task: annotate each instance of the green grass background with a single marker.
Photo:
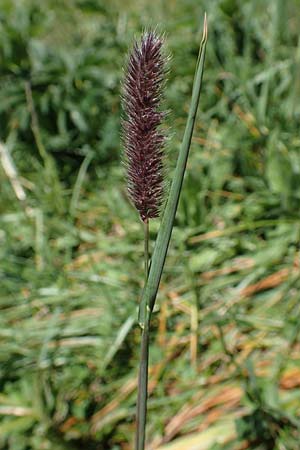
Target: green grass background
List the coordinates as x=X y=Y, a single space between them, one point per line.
x=225 y=362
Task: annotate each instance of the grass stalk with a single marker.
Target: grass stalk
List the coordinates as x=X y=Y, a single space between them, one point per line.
x=141 y=412
x=146 y=248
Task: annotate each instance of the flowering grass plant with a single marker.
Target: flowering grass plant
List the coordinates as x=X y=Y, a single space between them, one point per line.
x=144 y=144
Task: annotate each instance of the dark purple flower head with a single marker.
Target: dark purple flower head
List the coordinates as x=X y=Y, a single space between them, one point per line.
x=143 y=138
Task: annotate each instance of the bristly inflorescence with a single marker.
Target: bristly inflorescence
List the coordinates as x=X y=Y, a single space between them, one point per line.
x=143 y=138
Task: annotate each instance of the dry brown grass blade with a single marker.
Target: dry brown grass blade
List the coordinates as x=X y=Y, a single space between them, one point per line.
x=290 y=379
x=271 y=281
x=236 y=266
x=220 y=433
x=229 y=394
x=121 y=395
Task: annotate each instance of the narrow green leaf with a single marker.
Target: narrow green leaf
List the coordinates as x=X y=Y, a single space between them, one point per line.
x=165 y=230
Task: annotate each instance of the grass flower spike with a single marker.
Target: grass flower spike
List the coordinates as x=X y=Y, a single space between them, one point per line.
x=143 y=138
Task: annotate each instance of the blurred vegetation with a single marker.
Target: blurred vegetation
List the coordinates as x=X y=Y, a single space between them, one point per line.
x=225 y=365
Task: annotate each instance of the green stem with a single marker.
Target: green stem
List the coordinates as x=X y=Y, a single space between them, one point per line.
x=141 y=412
x=146 y=248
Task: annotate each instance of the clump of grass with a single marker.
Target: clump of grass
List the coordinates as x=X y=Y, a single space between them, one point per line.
x=144 y=151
